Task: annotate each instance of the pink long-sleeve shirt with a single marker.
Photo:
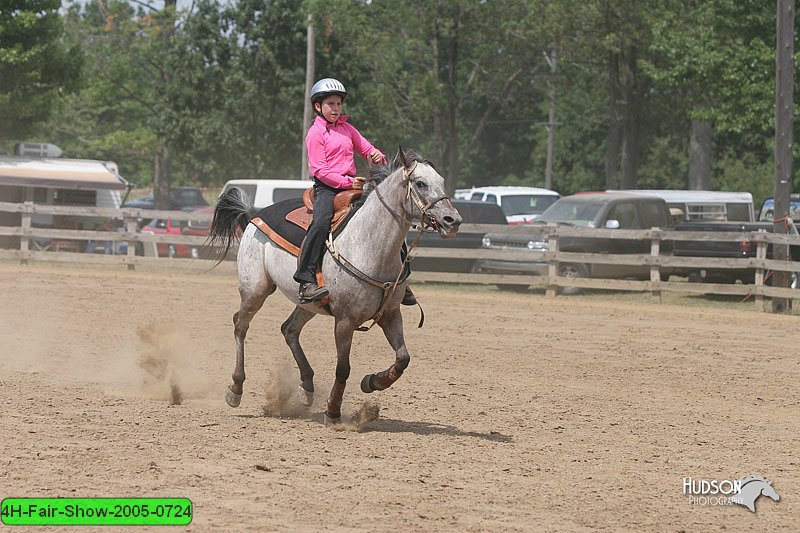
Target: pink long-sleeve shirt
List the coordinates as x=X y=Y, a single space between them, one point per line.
x=330 y=151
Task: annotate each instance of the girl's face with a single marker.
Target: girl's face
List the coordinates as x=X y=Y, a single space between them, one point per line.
x=330 y=107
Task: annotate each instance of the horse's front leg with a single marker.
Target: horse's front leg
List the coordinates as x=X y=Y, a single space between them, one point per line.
x=344 y=341
x=392 y=325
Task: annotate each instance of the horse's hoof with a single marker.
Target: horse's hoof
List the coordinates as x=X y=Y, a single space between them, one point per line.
x=366 y=384
x=306 y=398
x=331 y=421
x=231 y=398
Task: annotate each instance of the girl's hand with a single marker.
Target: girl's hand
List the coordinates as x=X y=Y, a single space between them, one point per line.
x=377 y=157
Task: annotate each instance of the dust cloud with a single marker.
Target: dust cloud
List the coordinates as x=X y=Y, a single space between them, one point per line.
x=168 y=373
x=282 y=397
x=368 y=412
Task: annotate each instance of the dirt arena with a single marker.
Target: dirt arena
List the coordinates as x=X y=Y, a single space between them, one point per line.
x=517 y=413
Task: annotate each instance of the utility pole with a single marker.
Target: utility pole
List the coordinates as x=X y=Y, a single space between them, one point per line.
x=307 y=104
x=784 y=100
x=551 y=58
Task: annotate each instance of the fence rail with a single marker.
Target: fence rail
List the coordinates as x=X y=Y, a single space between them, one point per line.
x=655 y=260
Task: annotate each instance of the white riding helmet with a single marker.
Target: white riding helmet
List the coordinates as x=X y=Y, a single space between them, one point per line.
x=326 y=87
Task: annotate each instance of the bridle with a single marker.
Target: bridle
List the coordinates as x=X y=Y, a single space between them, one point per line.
x=429 y=223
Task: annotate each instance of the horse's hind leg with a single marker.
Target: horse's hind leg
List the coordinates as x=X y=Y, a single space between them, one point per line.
x=291 y=332
x=392 y=325
x=252 y=300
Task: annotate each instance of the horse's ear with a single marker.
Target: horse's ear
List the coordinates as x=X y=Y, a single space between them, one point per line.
x=402 y=157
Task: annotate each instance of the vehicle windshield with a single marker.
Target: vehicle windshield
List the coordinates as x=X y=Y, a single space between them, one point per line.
x=572 y=212
x=767 y=210
x=526 y=204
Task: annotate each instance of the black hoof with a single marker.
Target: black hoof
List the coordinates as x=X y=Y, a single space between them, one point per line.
x=366 y=384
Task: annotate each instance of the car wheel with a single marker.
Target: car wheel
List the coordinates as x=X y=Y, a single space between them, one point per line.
x=572 y=270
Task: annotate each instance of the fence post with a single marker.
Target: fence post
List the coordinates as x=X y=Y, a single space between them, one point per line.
x=761 y=253
x=552 y=267
x=131 y=226
x=24 y=241
x=655 y=269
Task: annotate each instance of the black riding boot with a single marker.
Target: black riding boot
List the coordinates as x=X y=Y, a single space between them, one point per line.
x=311 y=292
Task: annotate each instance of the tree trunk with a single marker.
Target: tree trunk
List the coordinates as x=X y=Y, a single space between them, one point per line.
x=551 y=118
x=630 y=124
x=163 y=177
x=612 y=140
x=700 y=156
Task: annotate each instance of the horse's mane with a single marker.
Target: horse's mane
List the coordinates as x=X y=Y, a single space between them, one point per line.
x=379 y=173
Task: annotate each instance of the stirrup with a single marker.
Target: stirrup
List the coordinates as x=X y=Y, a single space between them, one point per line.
x=310 y=292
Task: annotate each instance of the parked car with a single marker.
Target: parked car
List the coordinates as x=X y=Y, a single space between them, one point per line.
x=263 y=193
x=588 y=210
x=521 y=205
x=167 y=226
x=472 y=212
x=200 y=228
x=766 y=213
x=108 y=247
x=181 y=198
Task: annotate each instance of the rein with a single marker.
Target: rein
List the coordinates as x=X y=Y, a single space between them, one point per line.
x=389 y=286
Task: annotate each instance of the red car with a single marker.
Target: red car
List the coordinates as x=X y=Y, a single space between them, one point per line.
x=200 y=228
x=160 y=226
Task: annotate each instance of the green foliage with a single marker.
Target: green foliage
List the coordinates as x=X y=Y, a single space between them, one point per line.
x=35 y=67
x=463 y=81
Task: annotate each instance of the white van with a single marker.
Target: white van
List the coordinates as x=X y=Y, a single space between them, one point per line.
x=520 y=204
x=263 y=193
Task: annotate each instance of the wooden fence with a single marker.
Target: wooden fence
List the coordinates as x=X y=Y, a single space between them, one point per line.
x=654 y=260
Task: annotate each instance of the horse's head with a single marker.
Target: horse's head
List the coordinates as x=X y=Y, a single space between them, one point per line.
x=427 y=197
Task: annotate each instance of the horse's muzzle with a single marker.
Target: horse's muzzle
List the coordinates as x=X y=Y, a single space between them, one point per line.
x=448 y=226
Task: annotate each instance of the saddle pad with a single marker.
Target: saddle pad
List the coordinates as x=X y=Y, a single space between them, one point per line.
x=274 y=216
x=279 y=229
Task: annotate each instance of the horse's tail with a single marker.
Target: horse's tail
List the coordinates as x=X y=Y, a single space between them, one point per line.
x=231 y=216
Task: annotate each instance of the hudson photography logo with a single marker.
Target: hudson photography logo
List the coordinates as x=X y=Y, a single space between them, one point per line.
x=744 y=491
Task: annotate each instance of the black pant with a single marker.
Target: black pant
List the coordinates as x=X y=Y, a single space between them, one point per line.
x=313 y=247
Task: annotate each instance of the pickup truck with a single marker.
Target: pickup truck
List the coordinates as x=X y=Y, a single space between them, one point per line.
x=721 y=249
x=589 y=210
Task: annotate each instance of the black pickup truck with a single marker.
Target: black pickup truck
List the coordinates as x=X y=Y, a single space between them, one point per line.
x=723 y=249
x=587 y=210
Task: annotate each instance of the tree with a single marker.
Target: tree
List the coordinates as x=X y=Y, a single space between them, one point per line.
x=238 y=89
x=715 y=58
x=35 y=66
x=435 y=72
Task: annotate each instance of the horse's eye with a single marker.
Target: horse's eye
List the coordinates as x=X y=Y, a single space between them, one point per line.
x=422 y=185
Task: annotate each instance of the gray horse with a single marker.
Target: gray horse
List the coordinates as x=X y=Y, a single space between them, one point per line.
x=362 y=271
